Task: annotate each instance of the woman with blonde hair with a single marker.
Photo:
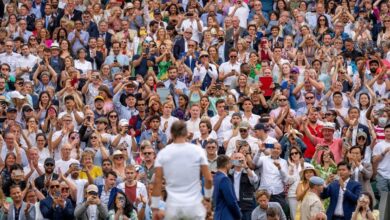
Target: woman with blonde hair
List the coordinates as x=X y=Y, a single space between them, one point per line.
x=243 y=88
x=161 y=36
x=242 y=53
x=89 y=169
x=303 y=187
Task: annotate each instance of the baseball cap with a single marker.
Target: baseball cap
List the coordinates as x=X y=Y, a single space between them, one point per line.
x=260 y=126
x=123 y=122
x=92 y=188
x=244 y=125
x=50 y=160
x=315 y=180
x=99 y=98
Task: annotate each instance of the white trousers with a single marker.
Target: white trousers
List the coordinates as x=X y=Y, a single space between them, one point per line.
x=193 y=212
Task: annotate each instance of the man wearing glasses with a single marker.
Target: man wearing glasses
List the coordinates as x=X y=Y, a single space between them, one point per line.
x=283 y=108
x=44 y=180
x=55 y=206
x=244 y=128
x=9 y=57
x=181 y=45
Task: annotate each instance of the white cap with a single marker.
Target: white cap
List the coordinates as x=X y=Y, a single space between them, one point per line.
x=16 y=95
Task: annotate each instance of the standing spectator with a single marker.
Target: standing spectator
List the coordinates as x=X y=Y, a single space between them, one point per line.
x=312 y=206
x=78 y=38
x=225 y=199
x=344 y=194
x=92 y=208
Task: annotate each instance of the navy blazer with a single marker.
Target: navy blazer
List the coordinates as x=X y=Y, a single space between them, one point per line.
x=351 y=196
x=179 y=48
x=226 y=204
x=111 y=199
x=57 y=213
x=187 y=62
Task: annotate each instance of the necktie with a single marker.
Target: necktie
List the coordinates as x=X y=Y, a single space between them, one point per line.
x=47 y=22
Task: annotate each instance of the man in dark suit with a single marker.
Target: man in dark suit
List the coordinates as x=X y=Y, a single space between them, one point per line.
x=55 y=206
x=235 y=32
x=42 y=182
x=181 y=45
x=191 y=56
x=92 y=28
x=224 y=45
x=69 y=12
x=109 y=186
x=344 y=194
x=226 y=205
x=103 y=28
x=30 y=18
x=94 y=56
x=49 y=20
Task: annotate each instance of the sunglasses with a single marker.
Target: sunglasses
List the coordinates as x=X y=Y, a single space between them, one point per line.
x=294 y=153
x=361 y=138
x=310 y=97
x=282 y=100
x=65 y=189
x=118 y=158
x=54 y=186
x=243 y=130
x=148 y=153
x=49 y=165
x=94 y=137
x=113 y=116
x=5 y=69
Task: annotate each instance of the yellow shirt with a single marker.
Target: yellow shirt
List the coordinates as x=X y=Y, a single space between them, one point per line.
x=94 y=172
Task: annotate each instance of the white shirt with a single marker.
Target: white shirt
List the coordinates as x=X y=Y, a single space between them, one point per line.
x=64 y=140
x=181 y=165
x=231 y=148
x=193 y=125
x=271 y=178
x=202 y=71
x=83 y=66
x=26 y=61
x=105 y=197
x=383 y=166
x=11 y=59
x=170 y=121
x=196 y=33
x=64 y=165
x=225 y=126
x=140 y=190
x=252 y=120
x=80 y=183
x=226 y=68
x=35 y=174
x=237 y=177
x=76 y=125
x=339 y=207
x=242 y=13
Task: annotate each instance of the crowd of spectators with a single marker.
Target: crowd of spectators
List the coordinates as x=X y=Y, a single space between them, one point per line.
x=289 y=101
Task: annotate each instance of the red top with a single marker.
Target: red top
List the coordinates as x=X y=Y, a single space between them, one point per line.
x=316 y=132
x=131 y=192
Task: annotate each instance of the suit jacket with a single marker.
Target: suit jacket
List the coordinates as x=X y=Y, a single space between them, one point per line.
x=40 y=183
x=179 y=48
x=229 y=33
x=52 y=24
x=226 y=205
x=81 y=213
x=98 y=58
x=22 y=215
x=30 y=19
x=56 y=213
x=351 y=196
x=107 y=39
x=111 y=199
x=364 y=177
x=76 y=15
x=191 y=64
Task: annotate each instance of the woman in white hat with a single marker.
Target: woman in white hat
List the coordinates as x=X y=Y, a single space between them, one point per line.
x=303 y=186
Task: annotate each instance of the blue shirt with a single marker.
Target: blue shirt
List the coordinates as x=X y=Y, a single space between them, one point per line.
x=79 y=43
x=122 y=60
x=124 y=112
x=147 y=135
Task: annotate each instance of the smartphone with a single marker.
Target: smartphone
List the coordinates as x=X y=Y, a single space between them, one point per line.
x=115 y=60
x=147 y=50
x=269 y=145
x=218 y=87
x=57 y=194
x=236 y=163
x=189 y=14
x=132 y=78
x=88 y=118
